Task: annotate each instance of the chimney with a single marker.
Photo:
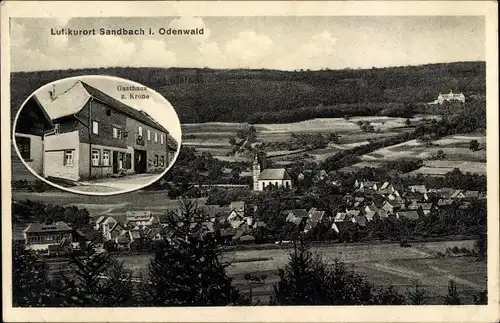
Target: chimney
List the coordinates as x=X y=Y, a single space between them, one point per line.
x=53 y=92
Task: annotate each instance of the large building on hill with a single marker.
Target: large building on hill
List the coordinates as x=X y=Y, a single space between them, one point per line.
x=268 y=178
x=97 y=136
x=450 y=97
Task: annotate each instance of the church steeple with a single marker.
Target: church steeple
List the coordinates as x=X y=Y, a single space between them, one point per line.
x=256 y=172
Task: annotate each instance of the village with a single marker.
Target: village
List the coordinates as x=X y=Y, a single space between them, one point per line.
x=364 y=203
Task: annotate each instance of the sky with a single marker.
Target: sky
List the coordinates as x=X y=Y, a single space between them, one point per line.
x=282 y=42
x=156 y=106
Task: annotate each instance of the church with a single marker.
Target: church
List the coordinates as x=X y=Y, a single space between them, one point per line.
x=269 y=178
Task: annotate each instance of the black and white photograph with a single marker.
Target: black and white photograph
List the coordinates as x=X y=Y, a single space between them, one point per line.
x=77 y=136
x=256 y=161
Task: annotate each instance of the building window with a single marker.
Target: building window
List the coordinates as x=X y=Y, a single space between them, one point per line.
x=105 y=158
x=68 y=157
x=156 y=161
x=140 y=131
x=24 y=144
x=161 y=139
x=95 y=127
x=162 y=161
x=95 y=157
x=149 y=135
x=117 y=133
x=108 y=112
x=57 y=128
x=156 y=137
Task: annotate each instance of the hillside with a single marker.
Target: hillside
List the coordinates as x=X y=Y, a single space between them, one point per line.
x=203 y=95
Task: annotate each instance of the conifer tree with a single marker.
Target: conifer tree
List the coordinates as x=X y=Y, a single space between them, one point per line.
x=417 y=295
x=308 y=280
x=186 y=269
x=452 y=298
x=29 y=279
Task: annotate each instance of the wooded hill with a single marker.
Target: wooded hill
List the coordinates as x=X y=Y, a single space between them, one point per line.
x=203 y=95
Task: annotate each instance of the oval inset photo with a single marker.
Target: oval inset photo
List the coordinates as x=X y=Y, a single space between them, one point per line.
x=97 y=135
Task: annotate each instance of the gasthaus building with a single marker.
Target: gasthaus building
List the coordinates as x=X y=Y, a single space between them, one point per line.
x=97 y=136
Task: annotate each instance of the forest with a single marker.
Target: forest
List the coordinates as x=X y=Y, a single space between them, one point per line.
x=208 y=95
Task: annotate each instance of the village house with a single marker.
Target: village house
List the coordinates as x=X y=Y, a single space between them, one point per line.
x=31 y=125
x=139 y=218
x=97 y=136
x=410 y=215
x=418 y=188
x=40 y=235
x=392 y=206
x=314 y=218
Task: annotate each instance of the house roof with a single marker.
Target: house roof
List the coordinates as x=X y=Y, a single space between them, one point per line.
x=237 y=205
x=302 y=213
x=247 y=238
x=418 y=188
x=228 y=232
x=360 y=219
x=42 y=227
x=442 y=202
x=74 y=99
x=425 y=206
x=274 y=174
x=135 y=234
x=446 y=192
x=100 y=219
x=316 y=216
x=456 y=193
x=384 y=186
x=412 y=215
x=471 y=193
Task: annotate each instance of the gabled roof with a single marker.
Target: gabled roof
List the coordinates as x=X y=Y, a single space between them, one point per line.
x=274 y=174
x=446 y=192
x=74 y=99
x=418 y=188
x=360 y=220
x=237 y=205
x=471 y=193
x=384 y=186
x=302 y=213
x=412 y=215
x=42 y=227
x=316 y=216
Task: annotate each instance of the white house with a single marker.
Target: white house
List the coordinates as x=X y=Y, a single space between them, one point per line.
x=270 y=177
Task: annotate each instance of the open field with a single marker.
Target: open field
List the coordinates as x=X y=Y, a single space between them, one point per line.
x=98 y=205
x=381 y=264
x=214 y=137
x=456 y=155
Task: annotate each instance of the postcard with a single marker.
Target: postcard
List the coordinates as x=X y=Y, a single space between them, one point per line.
x=250 y=161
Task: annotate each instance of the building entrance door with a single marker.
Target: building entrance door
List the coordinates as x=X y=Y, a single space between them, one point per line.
x=140 y=161
x=115 y=162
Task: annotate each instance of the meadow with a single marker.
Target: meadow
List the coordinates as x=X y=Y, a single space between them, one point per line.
x=381 y=264
x=456 y=155
x=214 y=137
